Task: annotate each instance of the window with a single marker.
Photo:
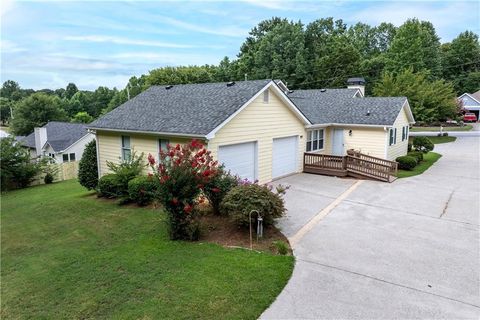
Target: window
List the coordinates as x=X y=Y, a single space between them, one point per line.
x=404 y=133
x=391 y=140
x=162 y=146
x=72 y=156
x=266 y=96
x=395 y=136
x=126 y=151
x=315 y=140
x=65 y=157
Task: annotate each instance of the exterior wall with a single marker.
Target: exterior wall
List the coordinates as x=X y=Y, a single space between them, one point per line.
x=370 y=141
x=262 y=122
x=77 y=148
x=110 y=146
x=401 y=147
x=469 y=102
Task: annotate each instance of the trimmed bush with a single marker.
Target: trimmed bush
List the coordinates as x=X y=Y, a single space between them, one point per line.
x=406 y=162
x=126 y=171
x=422 y=144
x=109 y=186
x=409 y=148
x=88 y=168
x=48 y=178
x=217 y=188
x=244 y=198
x=417 y=155
x=142 y=190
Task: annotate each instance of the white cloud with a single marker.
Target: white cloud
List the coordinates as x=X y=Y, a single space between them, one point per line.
x=128 y=41
x=5 y=6
x=168 y=58
x=229 y=31
x=7 y=46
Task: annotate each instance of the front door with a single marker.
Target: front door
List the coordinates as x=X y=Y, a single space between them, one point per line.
x=337 y=142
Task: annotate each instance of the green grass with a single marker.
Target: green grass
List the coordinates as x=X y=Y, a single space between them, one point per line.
x=66 y=254
x=428 y=160
x=467 y=127
x=438 y=140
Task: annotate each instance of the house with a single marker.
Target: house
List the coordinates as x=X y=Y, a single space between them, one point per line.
x=471 y=102
x=61 y=141
x=258 y=129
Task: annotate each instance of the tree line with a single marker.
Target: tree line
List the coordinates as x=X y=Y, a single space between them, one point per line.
x=408 y=60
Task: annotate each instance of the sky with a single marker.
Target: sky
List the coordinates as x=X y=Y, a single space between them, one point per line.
x=47 y=44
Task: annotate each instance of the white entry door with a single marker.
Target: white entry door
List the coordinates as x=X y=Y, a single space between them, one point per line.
x=284 y=156
x=337 y=142
x=240 y=159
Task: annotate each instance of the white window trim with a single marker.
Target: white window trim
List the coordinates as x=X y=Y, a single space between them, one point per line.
x=318 y=140
x=391 y=137
x=122 y=148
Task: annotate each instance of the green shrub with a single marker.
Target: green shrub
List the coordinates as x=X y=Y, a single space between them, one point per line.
x=417 y=155
x=422 y=144
x=109 y=186
x=241 y=200
x=216 y=189
x=17 y=170
x=406 y=162
x=88 y=167
x=409 y=148
x=281 y=246
x=126 y=171
x=142 y=190
x=48 y=178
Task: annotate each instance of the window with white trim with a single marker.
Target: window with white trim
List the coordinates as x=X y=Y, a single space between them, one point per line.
x=315 y=140
x=162 y=146
x=126 y=151
x=72 y=156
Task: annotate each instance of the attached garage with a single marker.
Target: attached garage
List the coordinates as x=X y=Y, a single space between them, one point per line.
x=284 y=156
x=240 y=159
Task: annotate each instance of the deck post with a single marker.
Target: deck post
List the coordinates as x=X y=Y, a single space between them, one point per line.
x=344 y=163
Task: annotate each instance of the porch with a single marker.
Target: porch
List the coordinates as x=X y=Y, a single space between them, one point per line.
x=354 y=164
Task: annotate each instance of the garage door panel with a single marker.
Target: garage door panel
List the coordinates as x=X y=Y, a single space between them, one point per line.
x=284 y=156
x=240 y=159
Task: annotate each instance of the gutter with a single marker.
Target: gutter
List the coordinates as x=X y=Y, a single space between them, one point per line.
x=324 y=125
x=153 y=133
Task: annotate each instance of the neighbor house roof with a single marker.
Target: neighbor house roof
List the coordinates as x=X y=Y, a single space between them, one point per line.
x=332 y=106
x=476 y=95
x=60 y=135
x=193 y=109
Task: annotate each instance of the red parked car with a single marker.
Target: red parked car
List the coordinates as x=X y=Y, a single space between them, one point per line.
x=470 y=117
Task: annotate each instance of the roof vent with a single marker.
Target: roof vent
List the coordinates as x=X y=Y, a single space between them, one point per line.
x=231 y=83
x=323 y=90
x=368 y=113
x=291 y=91
x=169 y=87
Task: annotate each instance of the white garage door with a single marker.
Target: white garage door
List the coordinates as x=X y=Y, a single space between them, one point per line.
x=240 y=159
x=284 y=156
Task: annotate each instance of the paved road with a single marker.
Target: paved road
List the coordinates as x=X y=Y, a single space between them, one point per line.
x=409 y=249
x=475 y=132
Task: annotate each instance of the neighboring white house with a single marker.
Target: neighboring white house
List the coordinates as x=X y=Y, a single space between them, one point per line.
x=61 y=141
x=471 y=102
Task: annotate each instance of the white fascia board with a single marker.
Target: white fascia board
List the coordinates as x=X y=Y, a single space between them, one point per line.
x=282 y=96
x=468 y=94
x=323 y=125
x=153 y=133
x=406 y=106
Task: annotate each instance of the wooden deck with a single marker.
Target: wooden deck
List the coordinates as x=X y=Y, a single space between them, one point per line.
x=354 y=164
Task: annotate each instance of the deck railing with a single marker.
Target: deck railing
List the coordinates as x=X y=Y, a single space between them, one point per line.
x=355 y=163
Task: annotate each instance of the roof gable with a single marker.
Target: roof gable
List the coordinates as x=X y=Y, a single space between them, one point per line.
x=60 y=135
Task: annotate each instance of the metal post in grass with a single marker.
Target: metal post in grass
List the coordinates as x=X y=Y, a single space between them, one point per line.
x=250 y=223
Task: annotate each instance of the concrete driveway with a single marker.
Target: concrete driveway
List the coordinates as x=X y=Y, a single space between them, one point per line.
x=368 y=249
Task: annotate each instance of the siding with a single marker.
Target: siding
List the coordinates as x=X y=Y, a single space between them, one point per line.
x=401 y=147
x=370 y=141
x=110 y=143
x=262 y=122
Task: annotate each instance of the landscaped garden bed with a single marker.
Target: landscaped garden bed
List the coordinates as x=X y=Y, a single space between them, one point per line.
x=419 y=157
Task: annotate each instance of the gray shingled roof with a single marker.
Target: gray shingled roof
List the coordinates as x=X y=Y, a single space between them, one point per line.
x=60 y=135
x=339 y=106
x=194 y=109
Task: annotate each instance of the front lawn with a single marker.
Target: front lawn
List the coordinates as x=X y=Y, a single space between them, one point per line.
x=428 y=160
x=467 y=127
x=67 y=254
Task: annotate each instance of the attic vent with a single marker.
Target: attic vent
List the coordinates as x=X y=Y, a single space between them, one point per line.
x=231 y=83
x=323 y=90
x=169 y=87
x=368 y=113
